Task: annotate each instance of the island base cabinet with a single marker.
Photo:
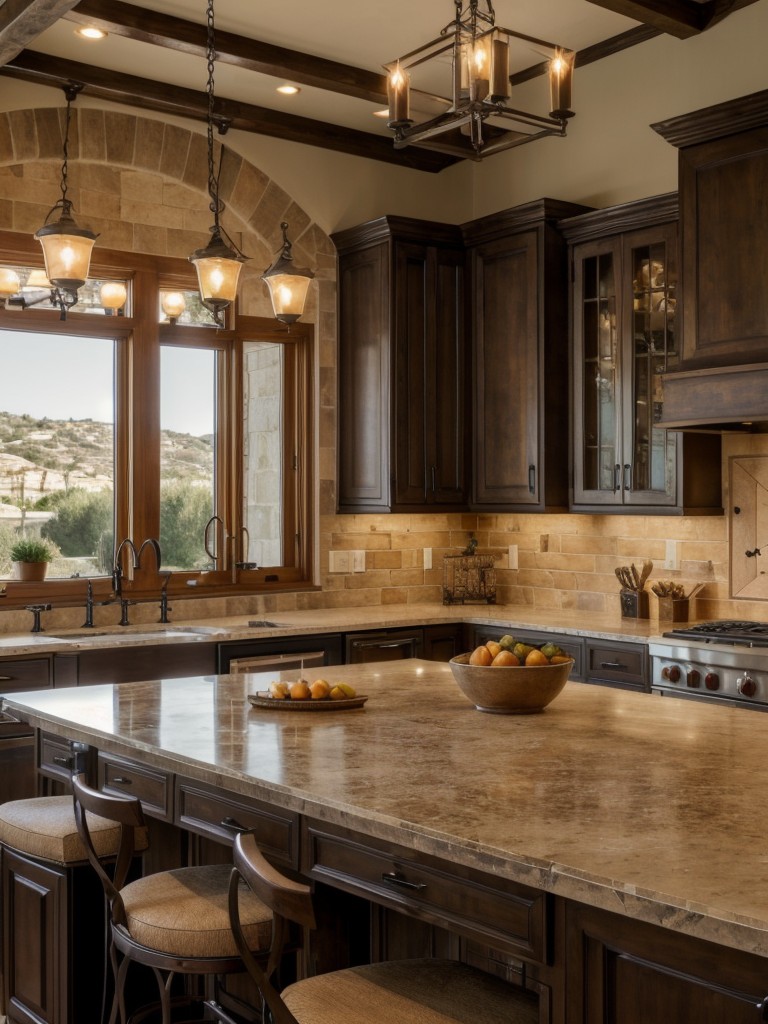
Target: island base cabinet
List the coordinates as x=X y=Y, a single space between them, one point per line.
x=622 y=971
x=53 y=942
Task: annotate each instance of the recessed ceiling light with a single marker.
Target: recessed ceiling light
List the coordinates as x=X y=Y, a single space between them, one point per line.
x=288 y=90
x=90 y=32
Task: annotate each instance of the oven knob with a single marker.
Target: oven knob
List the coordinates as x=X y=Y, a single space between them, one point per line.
x=693 y=678
x=746 y=685
x=712 y=681
x=671 y=672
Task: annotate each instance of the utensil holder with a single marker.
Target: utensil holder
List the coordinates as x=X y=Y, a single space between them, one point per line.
x=673 y=609
x=634 y=604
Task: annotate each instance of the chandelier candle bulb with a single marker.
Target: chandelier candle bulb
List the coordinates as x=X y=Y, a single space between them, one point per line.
x=399 y=96
x=479 y=62
x=560 y=78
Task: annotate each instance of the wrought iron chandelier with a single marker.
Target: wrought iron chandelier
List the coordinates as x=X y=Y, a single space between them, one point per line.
x=477 y=109
x=219 y=264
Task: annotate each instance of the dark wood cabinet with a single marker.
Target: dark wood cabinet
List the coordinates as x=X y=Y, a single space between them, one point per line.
x=443 y=642
x=617 y=663
x=723 y=167
x=133 y=664
x=520 y=358
x=402 y=367
x=620 y=970
x=625 y=336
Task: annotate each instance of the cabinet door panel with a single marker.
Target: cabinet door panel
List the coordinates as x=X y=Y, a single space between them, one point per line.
x=725 y=256
x=414 y=336
x=364 y=379
x=507 y=426
x=447 y=399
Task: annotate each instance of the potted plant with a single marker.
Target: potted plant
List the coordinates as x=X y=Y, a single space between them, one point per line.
x=31 y=558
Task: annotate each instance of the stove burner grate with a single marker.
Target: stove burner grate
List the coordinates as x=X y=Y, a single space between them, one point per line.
x=726 y=631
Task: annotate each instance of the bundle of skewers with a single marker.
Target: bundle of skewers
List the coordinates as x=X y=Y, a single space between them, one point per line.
x=667 y=588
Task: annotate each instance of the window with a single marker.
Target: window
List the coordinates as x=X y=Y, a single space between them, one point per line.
x=151 y=424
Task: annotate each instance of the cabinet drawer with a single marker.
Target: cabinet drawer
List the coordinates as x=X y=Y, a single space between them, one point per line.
x=500 y=913
x=621 y=665
x=154 y=788
x=25 y=674
x=209 y=813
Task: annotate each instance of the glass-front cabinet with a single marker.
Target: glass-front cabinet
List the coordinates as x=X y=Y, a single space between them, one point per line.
x=624 y=338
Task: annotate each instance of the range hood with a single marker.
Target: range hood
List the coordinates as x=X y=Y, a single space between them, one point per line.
x=723 y=398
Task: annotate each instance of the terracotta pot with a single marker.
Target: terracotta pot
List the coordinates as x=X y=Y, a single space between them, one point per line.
x=31 y=572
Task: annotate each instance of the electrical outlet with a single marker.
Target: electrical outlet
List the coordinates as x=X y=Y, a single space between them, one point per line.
x=339 y=561
x=358 y=561
x=427 y=558
x=672 y=556
x=512 y=557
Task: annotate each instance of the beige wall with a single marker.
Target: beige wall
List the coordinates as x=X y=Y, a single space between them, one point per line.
x=609 y=156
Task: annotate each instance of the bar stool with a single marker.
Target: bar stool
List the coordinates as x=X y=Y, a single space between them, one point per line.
x=53 y=921
x=422 y=991
x=174 y=922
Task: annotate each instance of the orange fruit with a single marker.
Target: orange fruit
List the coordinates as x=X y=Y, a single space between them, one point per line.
x=535 y=657
x=493 y=647
x=505 y=658
x=559 y=659
x=299 y=690
x=480 y=656
x=319 y=689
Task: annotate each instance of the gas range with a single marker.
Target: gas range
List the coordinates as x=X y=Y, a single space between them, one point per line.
x=725 y=661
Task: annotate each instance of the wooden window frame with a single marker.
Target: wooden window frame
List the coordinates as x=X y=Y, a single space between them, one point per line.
x=140 y=338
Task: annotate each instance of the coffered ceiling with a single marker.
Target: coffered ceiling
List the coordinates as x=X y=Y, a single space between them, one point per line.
x=154 y=55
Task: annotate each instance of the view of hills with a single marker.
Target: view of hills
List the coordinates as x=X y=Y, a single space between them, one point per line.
x=39 y=456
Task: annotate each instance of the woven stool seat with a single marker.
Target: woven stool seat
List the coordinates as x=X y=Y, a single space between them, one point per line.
x=184 y=913
x=44 y=827
x=412 y=991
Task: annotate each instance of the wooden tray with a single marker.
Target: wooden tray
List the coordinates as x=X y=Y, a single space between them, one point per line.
x=263 y=700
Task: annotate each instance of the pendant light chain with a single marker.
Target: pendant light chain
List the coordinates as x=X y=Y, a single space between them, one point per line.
x=65 y=151
x=213 y=181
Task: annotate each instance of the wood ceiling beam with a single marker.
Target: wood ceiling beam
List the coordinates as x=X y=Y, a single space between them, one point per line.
x=21 y=21
x=679 y=18
x=103 y=84
x=148 y=26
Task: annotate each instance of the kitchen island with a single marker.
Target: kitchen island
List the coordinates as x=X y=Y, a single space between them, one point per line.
x=613 y=817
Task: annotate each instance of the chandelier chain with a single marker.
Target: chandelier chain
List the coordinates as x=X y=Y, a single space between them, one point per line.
x=213 y=182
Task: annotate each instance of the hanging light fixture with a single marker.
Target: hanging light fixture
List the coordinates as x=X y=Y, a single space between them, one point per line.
x=218 y=265
x=476 y=111
x=288 y=285
x=66 y=246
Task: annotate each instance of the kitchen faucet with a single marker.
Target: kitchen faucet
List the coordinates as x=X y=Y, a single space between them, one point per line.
x=155 y=545
x=117 y=571
x=164 y=609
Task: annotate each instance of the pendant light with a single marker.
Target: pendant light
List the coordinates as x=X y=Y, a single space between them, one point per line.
x=288 y=285
x=66 y=246
x=218 y=265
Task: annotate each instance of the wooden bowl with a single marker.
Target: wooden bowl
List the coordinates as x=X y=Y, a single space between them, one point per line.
x=510 y=690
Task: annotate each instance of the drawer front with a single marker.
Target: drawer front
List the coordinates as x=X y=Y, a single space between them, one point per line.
x=53 y=757
x=24 y=674
x=619 y=664
x=496 y=911
x=210 y=813
x=154 y=788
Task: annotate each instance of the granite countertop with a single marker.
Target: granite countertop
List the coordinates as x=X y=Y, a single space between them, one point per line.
x=641 y=805
x=329 y=620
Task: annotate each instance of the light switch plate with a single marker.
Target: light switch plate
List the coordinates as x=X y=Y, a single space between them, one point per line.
x=358 y=561
x=672 y=558
x=512 y=557
x=427 y=558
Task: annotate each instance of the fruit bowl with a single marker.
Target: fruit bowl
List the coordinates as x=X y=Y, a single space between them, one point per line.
x=510 y=690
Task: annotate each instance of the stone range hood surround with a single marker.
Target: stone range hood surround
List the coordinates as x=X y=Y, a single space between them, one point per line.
x=720 y=398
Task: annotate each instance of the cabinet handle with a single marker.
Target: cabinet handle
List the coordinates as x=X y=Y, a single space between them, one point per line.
x=434 y=488
x=616 y=477
x=627 y=477
x=362 y=644
x=614 y=664
x=233 y=824
x=400 y=882
x=6 y=679
x=63 y=762
x=121 y=780
x=532 y=478
x=763 y=1007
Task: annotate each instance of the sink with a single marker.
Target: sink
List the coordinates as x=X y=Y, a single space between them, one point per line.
x=127 y=633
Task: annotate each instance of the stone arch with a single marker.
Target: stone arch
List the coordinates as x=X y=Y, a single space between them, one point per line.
x=142 y=184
